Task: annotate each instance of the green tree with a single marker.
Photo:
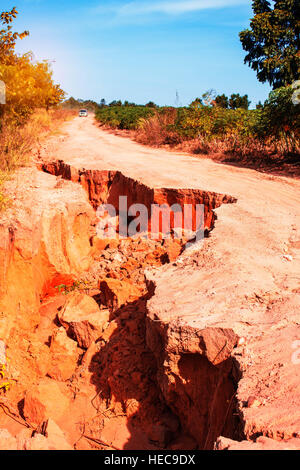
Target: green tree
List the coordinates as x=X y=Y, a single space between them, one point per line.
x=222 y=101
x=279 y=118
x=116 y=103
x=237 y=101
x=273 y=41
x=151 y=104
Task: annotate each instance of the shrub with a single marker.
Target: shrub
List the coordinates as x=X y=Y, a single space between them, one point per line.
x=123 y=116
x=159 y=129
x=210 y=122
x=279 y=121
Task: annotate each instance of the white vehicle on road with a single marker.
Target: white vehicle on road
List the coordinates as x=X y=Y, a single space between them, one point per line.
x=83 y=113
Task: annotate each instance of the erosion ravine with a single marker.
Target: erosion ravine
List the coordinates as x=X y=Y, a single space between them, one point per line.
x=144 y=343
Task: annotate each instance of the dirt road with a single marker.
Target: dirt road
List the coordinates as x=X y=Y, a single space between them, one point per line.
x=245 y=276
x=268 y=207
x=264 y=224
x=85 y=144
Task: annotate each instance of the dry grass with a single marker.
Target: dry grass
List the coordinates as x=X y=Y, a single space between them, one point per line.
x=233 y=147
x=226 y=147
x=17 y=142
x=155 y=131
x=158 y=131
x=235 y=150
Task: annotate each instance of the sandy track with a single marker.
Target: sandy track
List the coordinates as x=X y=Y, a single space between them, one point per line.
x=246 y=277
x=86 y=144
x=268 y=205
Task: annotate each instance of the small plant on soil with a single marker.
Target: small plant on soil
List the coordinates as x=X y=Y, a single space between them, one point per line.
x=5 y=385
x=80 y=286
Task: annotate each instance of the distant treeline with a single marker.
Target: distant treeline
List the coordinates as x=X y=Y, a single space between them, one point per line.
x=235 y=101
x=72 y=103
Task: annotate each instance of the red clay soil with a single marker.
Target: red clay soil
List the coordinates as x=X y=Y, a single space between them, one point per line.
x=148 y=345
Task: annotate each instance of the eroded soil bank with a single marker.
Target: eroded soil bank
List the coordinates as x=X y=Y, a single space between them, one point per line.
x=147 y=344
x=81 y=353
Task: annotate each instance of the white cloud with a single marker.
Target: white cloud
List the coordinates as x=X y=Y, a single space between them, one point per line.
x=139 y=8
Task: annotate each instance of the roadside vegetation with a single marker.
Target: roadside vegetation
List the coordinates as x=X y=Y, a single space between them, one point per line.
x=224 y=126
x=270 y=131
x=123 y=116
x=32 y=99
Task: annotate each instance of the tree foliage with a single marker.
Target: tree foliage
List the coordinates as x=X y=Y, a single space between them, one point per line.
x=72 y=103
x=234 y=102
x=237 y=101
x=273 y=41
x=8 y=38
x=222 y=101
x=29 y=84
x=151 y=104
x=279 y=118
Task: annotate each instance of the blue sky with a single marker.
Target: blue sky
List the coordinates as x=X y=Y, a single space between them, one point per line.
x=141 y=50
